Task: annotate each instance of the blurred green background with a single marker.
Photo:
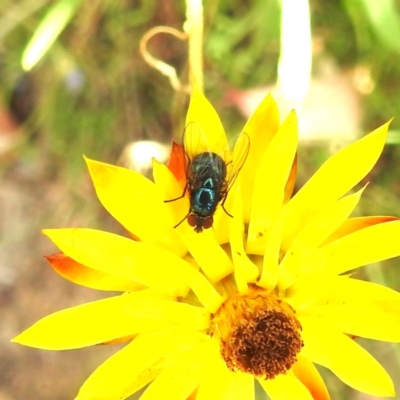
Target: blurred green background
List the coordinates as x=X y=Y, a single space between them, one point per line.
x=91 y=93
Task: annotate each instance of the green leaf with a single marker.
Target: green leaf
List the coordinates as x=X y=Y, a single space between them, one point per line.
x=385 y=21
x=47 y=32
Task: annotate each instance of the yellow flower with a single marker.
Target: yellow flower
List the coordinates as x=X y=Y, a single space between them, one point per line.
x=261 y=296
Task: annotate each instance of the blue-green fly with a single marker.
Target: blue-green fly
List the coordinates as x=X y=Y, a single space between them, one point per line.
x=209 y=176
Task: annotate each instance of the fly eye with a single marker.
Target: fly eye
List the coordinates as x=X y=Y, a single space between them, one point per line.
x=192 y=220
x=208 y=222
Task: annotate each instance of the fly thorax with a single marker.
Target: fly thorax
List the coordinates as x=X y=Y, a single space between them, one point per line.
x=204 y=201
x=209 y=184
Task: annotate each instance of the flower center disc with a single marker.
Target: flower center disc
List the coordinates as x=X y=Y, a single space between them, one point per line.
x=259 y=334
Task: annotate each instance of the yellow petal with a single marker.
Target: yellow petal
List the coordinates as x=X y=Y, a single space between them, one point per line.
x=359 y=308
x=127 y=338
x=171 y=190
x=213 y=387
x=308 y=375
x=179 y=381
x=240 y=387
x=81 y=275
x=355 y=224
x=284 y=387
x=166 y=310
x=335 y=177
x=270 y=268
x=147 y=265
x=199 y=354
x=209 y=255
x=308 y=289
x=320 y=227
x=372 y=244
x=245 y=270
x=269 y=186
x=215 y=380
x=115 y=379
x=136 y=364
x=90 y=323
x=326 y=346
x=106 y=252
x=291 y=182
x=204 y=248
x=135 y=202
x=261 y=127
x=241 y=284
x=222 y=220
x=204 y=130
x=203 y=289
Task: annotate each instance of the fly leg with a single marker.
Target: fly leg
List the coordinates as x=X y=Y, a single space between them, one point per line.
x=182 y=219
x=177 y=198
x=223 y=207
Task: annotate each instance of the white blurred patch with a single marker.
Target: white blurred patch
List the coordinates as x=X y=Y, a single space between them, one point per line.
x=138 y=155
x=330 y=111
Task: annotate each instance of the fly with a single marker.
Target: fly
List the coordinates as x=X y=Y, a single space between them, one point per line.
x=209 y=177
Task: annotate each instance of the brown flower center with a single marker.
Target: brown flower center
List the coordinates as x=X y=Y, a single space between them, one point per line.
x=259 y=334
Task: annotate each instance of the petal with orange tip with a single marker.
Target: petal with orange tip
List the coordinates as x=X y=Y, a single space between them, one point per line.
x=365 y=246
x=314 y=233
x=177 y=163
x=327 y=346
x=119 y=340
x=284 y=387
x=148 y=265
x=306 y=372
x=355 y=224
x=350 y=164
x=91 y=278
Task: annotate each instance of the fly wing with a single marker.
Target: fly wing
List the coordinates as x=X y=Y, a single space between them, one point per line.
x=239 y=155
x=196 y=144
x=195 y=141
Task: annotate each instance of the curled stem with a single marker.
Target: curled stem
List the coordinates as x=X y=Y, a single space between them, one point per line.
x=193 y=32
x=166 y=69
